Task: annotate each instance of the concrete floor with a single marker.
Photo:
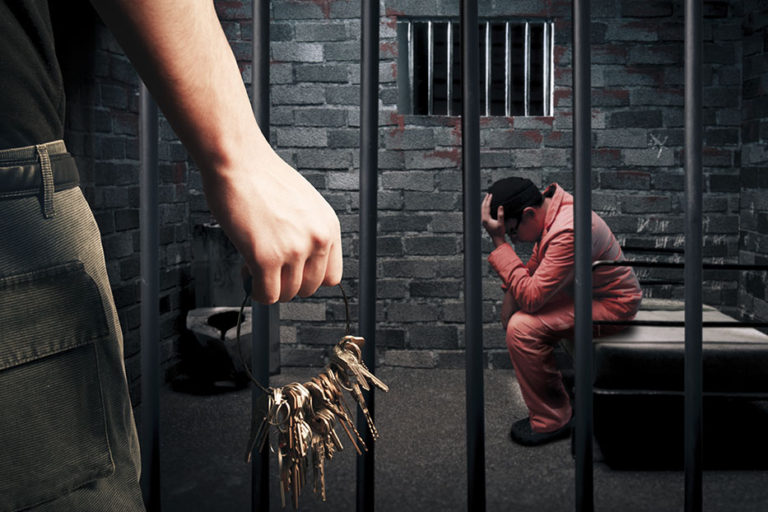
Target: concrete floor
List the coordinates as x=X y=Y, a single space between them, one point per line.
x=420 y=457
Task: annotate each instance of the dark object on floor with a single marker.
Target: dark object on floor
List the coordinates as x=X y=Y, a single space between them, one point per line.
x=522 y=434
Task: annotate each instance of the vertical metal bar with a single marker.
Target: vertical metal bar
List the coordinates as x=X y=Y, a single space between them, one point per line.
x=411 y=43
x=404 y=85
x=473 y=296
x=369 y=153
x=150 y=291
x=552 y=70
x=545 y=60
x=449 y=70
x=507 y=70
x=527 y=68
x=487 y=68
x=693 y=256
x=262 y=317
x=582 y=132
x=430 y=67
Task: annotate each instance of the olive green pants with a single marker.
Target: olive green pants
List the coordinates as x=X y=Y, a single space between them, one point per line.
x=67 y=434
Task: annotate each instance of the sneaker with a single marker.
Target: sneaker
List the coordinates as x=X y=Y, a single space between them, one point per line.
x=522 y=434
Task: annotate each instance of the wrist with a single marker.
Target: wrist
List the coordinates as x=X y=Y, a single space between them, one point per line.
x=498 y=240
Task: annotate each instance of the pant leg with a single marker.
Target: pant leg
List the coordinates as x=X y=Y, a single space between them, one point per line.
x=531 y=338
x=67 y=417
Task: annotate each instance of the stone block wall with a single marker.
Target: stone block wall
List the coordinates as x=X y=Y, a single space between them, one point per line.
x=753 y=296
x=638 y=111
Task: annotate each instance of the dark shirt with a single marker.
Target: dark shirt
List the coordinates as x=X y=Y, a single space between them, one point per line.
x=31 y=87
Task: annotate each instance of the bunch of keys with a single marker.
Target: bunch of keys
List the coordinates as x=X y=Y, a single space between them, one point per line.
x=304 y=417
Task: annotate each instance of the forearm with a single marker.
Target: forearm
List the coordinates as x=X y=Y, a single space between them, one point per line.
x=183 y=56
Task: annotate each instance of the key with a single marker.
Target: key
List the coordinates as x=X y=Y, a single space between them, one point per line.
x=263 y=409
x=349 y=344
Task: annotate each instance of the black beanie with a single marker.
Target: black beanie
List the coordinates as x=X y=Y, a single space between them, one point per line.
x=514 y=194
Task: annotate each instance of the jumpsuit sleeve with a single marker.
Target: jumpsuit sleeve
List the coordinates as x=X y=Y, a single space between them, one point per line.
x=553 y=273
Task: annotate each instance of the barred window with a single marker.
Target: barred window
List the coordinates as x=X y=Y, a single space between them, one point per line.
x=516 y=67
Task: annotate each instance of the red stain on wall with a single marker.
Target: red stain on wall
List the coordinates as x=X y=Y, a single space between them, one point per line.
x=392 y=15
x=453 y=154
x=388 y=47
x=534 y=135
x=399 y=121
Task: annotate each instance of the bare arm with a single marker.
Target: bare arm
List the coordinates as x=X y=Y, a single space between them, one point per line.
x=288 y=234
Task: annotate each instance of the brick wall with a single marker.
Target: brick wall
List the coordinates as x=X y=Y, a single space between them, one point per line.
x=637 y=77
x=754 y=159
x=102 y=133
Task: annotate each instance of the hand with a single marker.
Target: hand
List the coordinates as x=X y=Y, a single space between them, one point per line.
x=494 y=227
x=286 y=231
x=508 y=308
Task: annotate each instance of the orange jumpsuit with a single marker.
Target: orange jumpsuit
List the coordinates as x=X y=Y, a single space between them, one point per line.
x=543 y=290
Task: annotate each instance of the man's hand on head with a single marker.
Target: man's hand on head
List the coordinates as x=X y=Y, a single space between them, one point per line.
x=494 y=227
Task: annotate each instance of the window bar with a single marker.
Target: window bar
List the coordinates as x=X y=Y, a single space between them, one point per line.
x=551 y=59
x=527 y=69
x=430 y=67
x=487 y=68
x=473 y=331
x=449 y=69
x=264 y=319
x=507 y=70
x=693 y=259
x=369 y=121
x=150 y=291
x=582 y=128
x=545 y=60
x=410 y=65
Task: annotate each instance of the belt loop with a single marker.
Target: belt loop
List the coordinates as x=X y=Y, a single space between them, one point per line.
x=47 y=179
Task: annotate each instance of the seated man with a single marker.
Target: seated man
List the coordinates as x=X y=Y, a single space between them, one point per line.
x=538 y=301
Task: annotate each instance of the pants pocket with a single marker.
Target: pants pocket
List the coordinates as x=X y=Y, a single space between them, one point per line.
x=52 y=424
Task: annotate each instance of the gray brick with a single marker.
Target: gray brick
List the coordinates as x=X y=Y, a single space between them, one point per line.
x=344 y=138
x=391 y=288
x=411 y=138
x=389 y=200
x=306 y=311
x=126 y=219
x=344 y=181
x=324 y=159
x=409 y=180
x=321 y=117
x=447 y=223
x=635 y=119
x=296 y=52
x=625 y=180
x=297 y=95
x=656 y=54
x=343 y=95
x=632 y=31
x=651 y=9
x=320 y=32
x=280 y=73
x=291 y=10
x=322 y=73
x=389 y=246
x=302 y=137
x=343 y=51
x=431 y=245
x=403 y=223
x=441 y=336
x=412 y=268
x=412 y=312
x=442 y=288
x=646 y=204
x=657 y=96
x=447 y=201
x=628 y=138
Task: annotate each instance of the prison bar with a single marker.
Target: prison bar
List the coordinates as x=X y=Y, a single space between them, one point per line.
x=473 y=330
x=263 y=318
x=693 y=259
x=369 y=153
x=582 y=174
x=150 y=288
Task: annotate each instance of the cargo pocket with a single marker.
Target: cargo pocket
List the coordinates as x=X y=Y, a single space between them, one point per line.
x=52 y=425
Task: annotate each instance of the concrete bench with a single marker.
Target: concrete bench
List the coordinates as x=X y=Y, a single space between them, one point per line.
x=638 y=392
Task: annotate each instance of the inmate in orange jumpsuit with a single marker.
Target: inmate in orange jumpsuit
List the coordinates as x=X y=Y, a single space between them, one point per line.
x=543 y=290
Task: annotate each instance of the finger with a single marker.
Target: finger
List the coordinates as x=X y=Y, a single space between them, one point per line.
x=266 y=284
x=500 y=214
x=335 y=266
x=314 y=272
x=290 y=280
